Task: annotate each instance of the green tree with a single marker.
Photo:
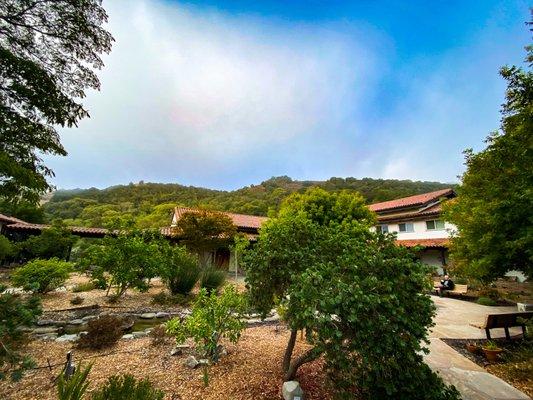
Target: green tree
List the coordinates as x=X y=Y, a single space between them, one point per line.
x=56 y=241
x=6 y=248
x=125 y=259
x=49 y=50
x=494 y=207
x=213 y=317
x=15 y=313
x=338 y=282
x=205 y=231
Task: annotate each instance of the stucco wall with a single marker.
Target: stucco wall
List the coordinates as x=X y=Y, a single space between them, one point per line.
x=421 y=232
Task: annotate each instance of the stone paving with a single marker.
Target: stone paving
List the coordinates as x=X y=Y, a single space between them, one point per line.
x=454 y=320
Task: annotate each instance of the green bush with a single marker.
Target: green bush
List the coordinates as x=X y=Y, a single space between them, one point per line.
x=53 y=242
x=126 y=387
x=181 y=272
x=102 y=332
x=84 y=287
x=41 y=276
x=485 y=301
x=491 y=293
x=213 y=317
x=73 y=388
x=6 y=248
x=15 y=312
x=212 y=278
x=76 y=300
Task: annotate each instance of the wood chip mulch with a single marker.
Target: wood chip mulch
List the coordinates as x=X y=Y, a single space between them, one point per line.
x=251 y=370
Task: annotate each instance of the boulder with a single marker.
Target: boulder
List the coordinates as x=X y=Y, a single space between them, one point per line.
x=149 y=315
x=76 y=322
x=67 y=338
x=191 y=362
x=128 y=336
x=89 y=318
x=140 y=334
x=162 y=315
x=179 y=349
x=45 y=330
x=292 y=390
x=47 y=337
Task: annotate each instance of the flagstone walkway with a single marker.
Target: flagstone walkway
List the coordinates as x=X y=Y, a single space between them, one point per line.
x=453 y=321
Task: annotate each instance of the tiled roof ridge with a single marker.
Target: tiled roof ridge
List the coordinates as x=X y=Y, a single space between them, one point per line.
x=409 y=201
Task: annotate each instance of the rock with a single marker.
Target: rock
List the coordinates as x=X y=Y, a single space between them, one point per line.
x=45 y=330
x=67 y=338
x=149 y=315
x=47 y=337
x=44 y=322
x=202 y=362
x=61 y=289
x=191 y=362
x=179 y=349
x=88 y=318
x=140 y=334
x=76 y=322
x=162 y=315
x=292 y=390
x=524 y=307
x=128 y=336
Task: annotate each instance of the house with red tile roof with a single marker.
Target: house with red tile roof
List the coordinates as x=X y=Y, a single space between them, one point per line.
x=417 y=222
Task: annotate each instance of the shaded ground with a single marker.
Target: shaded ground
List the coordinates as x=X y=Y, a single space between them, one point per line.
x=250 y=371
x=515 y=365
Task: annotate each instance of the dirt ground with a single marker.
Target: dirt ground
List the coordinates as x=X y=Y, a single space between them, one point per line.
x=251 y=370
x=514 y=292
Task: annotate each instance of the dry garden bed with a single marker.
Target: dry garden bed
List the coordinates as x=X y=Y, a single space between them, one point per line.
x=251 y=370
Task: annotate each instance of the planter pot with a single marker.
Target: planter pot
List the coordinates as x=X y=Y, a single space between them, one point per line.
x=492 y=355
x=473 y=348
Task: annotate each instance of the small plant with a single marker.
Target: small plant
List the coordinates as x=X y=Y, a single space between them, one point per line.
x=126 y=387
x=84 y=287
x=166 y=299
x=473 y=348
x=41 y=276
x=212 y=279
x=76 y=300
x=491 y=350
x=490 y=293
x=485 y=301
x=102 y=332
x=491 y=345
x=74 y=387
x=213 y=318
x=182 y=271
x=159 y=336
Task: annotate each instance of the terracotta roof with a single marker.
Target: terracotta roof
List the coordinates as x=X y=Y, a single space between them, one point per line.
x=80 y=230
x=431 y=243
x=434 y=210
x=411 y=201
x=240 y=220
x=11 y=220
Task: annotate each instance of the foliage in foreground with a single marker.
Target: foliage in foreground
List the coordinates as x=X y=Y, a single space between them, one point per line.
x=49 y=52
x=75 y=386
x=15 y=312
x=126 y=387
x=126 y=260
x=42 y=276
x=213 y=317
x=495 y=204
x=181 y=271
x=212 y=278
x=6 y=248
x=342 y=284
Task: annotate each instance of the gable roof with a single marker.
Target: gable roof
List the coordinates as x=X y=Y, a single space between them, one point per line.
x=411 y=201
x=11 y=220
x=240 y=220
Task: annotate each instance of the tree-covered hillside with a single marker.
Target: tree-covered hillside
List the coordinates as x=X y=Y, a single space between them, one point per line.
x=150 y=204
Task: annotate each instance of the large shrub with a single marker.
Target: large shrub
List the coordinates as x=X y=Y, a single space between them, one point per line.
x=15 y=313
x=6 y=248
x=53 y=242
x=357 y=295
x=126 y=260
x=213 y=317
x=102 y=332
x=181 y=271
x=212 y=278
x=42 y=276
x=126 y=387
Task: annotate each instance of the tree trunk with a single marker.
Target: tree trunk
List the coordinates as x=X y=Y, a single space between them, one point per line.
x=288 y=351
x=308 y=356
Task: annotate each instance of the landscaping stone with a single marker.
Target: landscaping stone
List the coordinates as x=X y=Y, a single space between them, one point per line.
x=47 y=337
x=67 y=338
x=89 y=318
x=128 y=336
x=44 y=322
x=149 y=315
x=45 y=330
x=162 y=315
x=179 y=349
x=140 y=334
x=191 y=362
x=76 y=322
x=292 y=390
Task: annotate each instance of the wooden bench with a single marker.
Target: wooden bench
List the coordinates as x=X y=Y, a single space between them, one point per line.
x=457 y=289
x=505 y=321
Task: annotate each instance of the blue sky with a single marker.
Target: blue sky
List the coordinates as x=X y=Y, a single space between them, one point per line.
x=227 y=94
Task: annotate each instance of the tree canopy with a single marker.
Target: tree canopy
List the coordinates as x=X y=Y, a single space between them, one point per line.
x=49 y=51
x=494 y=208
x=338 y=281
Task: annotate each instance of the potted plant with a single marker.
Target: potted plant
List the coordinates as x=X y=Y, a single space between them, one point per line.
x=491 y=351
x=472 y=347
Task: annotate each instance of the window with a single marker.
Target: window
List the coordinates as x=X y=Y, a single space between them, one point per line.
x=406 y=227
x=435 y=225
x=382 y=228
